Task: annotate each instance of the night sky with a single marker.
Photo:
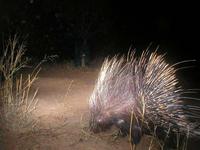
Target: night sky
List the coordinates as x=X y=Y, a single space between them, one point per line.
x=99 y=28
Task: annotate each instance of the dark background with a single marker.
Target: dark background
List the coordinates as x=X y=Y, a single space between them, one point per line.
x=99 y=28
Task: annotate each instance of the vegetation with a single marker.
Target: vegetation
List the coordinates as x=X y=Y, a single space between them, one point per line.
x=17 y=104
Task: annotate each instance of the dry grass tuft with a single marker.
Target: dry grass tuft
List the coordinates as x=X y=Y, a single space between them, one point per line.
x=16 y=102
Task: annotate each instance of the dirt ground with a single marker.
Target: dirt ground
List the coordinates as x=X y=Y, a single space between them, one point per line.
x=62 y=113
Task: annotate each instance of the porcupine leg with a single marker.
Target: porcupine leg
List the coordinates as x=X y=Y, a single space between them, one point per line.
x=1 y=77
x=136 y=134
x=171 y=144
x=171 y=141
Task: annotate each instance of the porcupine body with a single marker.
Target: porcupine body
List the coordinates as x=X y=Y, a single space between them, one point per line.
x=146 y=89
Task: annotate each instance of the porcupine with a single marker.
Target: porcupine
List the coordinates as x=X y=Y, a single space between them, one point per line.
x=146 y=89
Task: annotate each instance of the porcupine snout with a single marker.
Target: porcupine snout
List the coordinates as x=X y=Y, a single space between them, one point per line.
x=136 y=131
x=123 y=125
x=101 y=122
x=104 y=121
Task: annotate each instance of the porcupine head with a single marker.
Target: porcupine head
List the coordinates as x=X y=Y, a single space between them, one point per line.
x=104 y=118
x=111 y=102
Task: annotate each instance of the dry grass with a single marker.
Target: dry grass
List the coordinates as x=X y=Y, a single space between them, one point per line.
x=16 y=102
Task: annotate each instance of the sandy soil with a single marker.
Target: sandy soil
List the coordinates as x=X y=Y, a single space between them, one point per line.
x=62 y=113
